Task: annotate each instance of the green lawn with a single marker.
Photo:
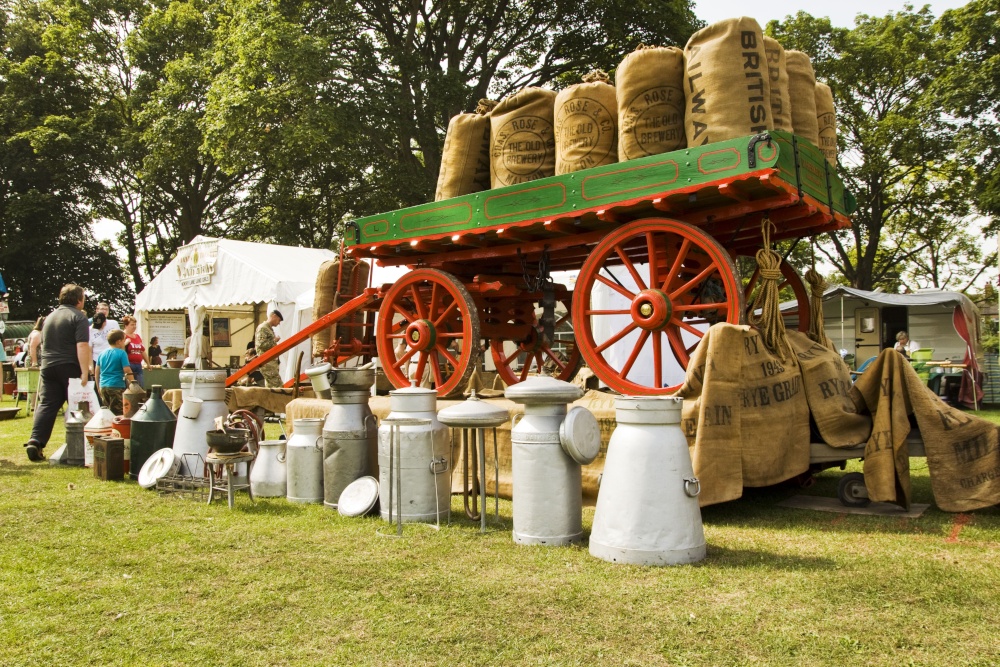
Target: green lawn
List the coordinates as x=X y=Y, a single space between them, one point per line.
x=95 y=573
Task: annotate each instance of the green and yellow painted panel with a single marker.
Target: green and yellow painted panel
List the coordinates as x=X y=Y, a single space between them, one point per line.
x=620 y=184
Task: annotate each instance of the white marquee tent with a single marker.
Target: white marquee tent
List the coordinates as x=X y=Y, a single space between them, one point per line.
x=211 y=276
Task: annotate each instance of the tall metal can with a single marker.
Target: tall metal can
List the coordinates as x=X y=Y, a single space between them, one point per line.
x=350 y=434
x=152 y=429
x=304 y=462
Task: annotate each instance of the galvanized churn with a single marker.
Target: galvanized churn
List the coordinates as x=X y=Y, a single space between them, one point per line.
x=421 y=457
x=269 y=477
x=647 y=507
x=350 y=435
x=75 y=439
x=549 y=446
x=304 y=461
x=204 y=394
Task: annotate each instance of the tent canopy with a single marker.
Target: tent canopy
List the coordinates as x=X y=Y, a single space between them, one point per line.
x=241 y=273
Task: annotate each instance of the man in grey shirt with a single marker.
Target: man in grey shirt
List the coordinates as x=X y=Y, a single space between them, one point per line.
x=65 y=355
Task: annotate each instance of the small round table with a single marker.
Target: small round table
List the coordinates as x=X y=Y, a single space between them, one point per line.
x=215 y=463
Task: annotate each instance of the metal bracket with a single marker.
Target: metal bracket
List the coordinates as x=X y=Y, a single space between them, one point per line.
x=752 y=148
x=351 y=224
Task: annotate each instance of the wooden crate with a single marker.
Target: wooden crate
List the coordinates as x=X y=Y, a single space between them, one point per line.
x=109 y=459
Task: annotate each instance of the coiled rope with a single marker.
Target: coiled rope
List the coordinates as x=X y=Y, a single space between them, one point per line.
x=769 y=324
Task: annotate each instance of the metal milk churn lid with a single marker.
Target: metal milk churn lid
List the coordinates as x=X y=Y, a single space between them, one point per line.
x=647 y=507
x=548 y=490
x=473 y=413
x=412 y=399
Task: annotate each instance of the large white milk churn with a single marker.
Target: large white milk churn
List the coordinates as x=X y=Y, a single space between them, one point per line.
x=647 y=507
x=350 y=435
x=304 y=462
x=204 y=394
x=268 y=478
x=424 y=463
x=548 y=447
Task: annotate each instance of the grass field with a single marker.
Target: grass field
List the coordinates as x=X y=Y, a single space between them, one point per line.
x=97 y=573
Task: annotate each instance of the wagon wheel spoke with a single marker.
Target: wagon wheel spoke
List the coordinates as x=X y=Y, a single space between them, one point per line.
x=687 y=327
x=418 y=303
x=697 y=280
x=635 y=354
x=436 y=369
x=447 y=355
x=632 y=326
x=624 y=311
x=616 y=287
x=676 y=267
x=657 y=360
x=421 y=366
x=447 y=311
x=547 y=351
x=651 y=253
x=405 y=358
x=700 y=306
x=680 y=352
x=630 y=267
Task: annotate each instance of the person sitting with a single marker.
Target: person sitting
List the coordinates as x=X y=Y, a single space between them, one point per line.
x=115 y=372
x=904 y=345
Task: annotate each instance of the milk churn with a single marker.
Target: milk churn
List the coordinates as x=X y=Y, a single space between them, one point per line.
x=268 y=478
x=422 y=462
x=121 y=427
x=304 y=462
x=320 y=381
x=473 y=417
x=99 y=426
x=204 y=394
x=75 y=440
x=153 y=427
x=132 y=399
x=350 y=434
x=548 y=447
x=647 y=507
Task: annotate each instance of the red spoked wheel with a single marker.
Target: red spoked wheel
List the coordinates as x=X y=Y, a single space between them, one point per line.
x=428 y=319
x=649 y=291
x=559 y=358
x=792 y=281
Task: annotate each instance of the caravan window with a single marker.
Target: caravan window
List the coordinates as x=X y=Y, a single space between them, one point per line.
x=867 y=324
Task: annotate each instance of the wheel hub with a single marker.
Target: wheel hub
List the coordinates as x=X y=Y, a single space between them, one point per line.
x=651 y=309
x=421 y=335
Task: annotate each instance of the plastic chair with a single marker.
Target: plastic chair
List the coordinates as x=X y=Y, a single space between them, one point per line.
x=863 y=367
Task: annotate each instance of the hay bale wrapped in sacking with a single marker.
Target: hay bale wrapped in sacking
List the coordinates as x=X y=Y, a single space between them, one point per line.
x=777 y=76
x=802 y=91
x=727 y=91
x=465 y=159
x=650 y=90
x=586 y=125
x=522 y=141
x=826 y=119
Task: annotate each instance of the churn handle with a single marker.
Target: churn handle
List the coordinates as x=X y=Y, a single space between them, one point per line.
x=692 y=482
x=318 y=445
x=514 y=420
x=366 y=423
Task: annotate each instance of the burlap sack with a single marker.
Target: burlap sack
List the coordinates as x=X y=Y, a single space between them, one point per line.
x=777 y=76
x=586 y=125
x=827 y=382
x=963 y=451
x=745 y=414
x=465 y=158
x=728 y=94
x=650 y=91
x=826 y=120
x=802 y=92
x=522 y=141
x=323 y=302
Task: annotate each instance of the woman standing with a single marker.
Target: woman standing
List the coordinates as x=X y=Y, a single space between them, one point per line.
x=155 y=352
x=34 y=344
x=135 y=348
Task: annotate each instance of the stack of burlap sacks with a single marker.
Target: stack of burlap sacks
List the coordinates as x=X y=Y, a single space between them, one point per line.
x=352 y=277
x=729 y=81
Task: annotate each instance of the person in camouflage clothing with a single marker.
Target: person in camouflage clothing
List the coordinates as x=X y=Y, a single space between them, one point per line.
x=264 y=340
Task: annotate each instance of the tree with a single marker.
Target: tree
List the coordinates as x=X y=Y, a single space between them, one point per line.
x=970 y=89
x=893 y=138
x=47 y=153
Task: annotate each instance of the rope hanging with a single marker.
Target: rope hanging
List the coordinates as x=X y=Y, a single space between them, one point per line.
x=817 y=285
x=769 y=324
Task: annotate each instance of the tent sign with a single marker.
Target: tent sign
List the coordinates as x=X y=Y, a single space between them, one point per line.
x=196 y=263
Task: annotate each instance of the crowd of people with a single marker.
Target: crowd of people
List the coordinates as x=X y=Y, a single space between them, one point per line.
x=66 y=345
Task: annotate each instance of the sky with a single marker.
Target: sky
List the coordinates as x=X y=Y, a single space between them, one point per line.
x=841 y=13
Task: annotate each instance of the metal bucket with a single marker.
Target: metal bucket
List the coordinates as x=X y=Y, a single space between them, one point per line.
x=647 y=507
x=304 y=462
x=268 y=478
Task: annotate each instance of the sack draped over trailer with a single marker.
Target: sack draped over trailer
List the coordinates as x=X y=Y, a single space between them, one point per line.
x=649 y=85
x=727 y=88
x=826 y=120
x=465 y=158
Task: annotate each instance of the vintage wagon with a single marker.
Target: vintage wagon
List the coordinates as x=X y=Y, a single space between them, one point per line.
x=655 y=242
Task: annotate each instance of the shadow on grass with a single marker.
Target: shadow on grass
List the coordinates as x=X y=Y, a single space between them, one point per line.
x=263 y=506
x=763 y=560
x=11 y=469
